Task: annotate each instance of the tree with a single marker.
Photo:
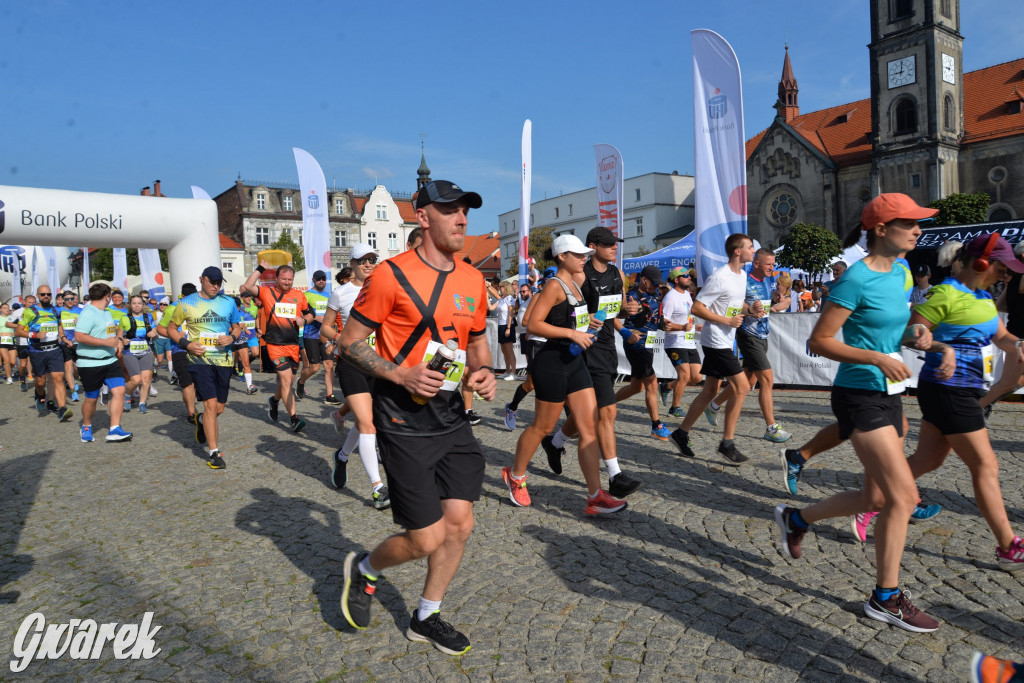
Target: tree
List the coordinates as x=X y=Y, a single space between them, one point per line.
x=540 y=241
x=962 y=209
x=101 y=263
x=285 y=243
x=809 y=247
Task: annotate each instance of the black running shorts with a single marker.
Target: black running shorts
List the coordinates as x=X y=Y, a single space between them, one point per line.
x=641 y=362
x=179 y=364
x=351 y=380
x=952 y=410
x=94 y=377
x=211 y=381
x=866 y=410
x=557 y=373
x=681 y=356
x=754 y=351
x=315 y=352
x=720 y=363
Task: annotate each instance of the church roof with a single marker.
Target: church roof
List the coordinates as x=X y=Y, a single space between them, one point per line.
x=842 y=133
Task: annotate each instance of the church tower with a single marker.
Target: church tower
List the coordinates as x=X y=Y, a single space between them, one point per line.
x=916 y=97
x=787 y=104
x=423 y=172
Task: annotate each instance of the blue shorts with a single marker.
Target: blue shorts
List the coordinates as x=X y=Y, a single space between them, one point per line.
x=45 y=362
x=162 y=345
x=211 y=381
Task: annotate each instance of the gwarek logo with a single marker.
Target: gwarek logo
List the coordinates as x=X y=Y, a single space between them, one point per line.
x=1 y=216
x=313 y=201
x=718 y=106
x=462 y=302
x=81 y=639
x=608 y=174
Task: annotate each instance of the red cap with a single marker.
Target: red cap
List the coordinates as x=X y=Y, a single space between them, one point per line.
x=890 y=206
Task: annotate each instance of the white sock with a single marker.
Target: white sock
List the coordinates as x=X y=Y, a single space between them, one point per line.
x=559 y=439
x=613 y=467
x=350 y=442
x=368 y=454
x=367 y=569
x=714 y=406
x=248 y=380
x=427 y=607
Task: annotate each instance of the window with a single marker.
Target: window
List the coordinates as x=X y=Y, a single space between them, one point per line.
x=513 y=224
x=261 y=201
x=570 y=209
x=782 y=210
x=339 y=238
x=286 y=202
x=900 y=9
x=639 y=225
x=339 y=206
x=999 y=215
x=393 y=241
x=638 y=194
x=946 y=9
x=532 y=222
x=906 y=117
x=371 y=239
x=228 y=266
x=262 y=236
x=948 y=121
x=556 y=212
x=286 y=233
x=915 y=180
x=382 y=212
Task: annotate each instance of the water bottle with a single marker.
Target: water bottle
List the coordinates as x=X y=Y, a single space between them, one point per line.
x=575 y=348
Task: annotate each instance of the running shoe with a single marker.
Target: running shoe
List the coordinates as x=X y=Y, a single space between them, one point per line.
x=251 y=390
x=127 y=405
x=173 y=381
x=10 y=381
x=676 y=411
x=777 y=434
x=712 y=415
x=509 y=377
x=152 y=390
x=118 y=434
x=860 y=523
x=989 y=669
x=273 y=408
x=1013 y=559
x=332 y=400
x=923 y=512
x=790 y=472
x=200 y=432
x=143 y=408
x=357 y=597
x=338 y=420
x=216 y=461
x=298 y=424
x=191 y=419
x=682 y=442
x=899 y=611
x=604 y=504
x=621 y=485
x=24 y=387
x=41 y=407
x=791 y=536
x=64 y=414
x=74 y=396
x=554 y=454
x=381 y=498
x=339 y=470
x=300 y=391
x=660 y=432
x=666 y=393
x=731 y=454
x=473 y=418
x=438 y=633
x=517 y=492
x=510 y=418
x=87 y=434
x=51 y=406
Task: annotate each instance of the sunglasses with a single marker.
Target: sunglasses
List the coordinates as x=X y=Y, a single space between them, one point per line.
x=372 y=260
x=217 y=283
x=42 y=294
x=163 y=304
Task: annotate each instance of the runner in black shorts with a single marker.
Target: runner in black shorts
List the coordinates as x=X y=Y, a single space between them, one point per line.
x=179 y=358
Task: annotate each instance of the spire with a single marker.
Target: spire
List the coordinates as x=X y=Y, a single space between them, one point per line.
x=787 y=104
x=423 y=172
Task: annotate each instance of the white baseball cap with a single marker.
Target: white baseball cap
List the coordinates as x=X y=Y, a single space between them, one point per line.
x=361 y=250
x=570 y=243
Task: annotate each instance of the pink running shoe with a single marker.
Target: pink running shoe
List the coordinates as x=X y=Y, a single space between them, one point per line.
x=1013 y=559
x=860 y=523
x=516 y=488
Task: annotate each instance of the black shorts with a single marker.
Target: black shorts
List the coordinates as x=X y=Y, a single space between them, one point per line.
x=530 y=349
x=952 y=410
x=680 y=356
x=604 y=387
x=93 y=378
x=506 y=335
x=70 y=353
x=180 y=367
x=211 y=381
x=45 y=362
x=22 y=352
x=720 y=363
x=754 y=351
x=351 y=380
x=866 y=410
x=423 y=471
x=315 y=352
x=641 y=362
x=557 y=373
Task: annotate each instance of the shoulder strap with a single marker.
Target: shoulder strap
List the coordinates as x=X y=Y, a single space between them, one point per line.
x=570 y=297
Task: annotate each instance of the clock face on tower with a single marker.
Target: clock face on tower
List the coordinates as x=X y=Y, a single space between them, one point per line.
x=948 y=69
x=902 y=72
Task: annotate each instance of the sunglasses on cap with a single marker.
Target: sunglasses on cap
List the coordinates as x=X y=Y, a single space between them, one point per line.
x=372 y=260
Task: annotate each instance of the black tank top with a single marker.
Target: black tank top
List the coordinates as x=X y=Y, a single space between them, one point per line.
x=563 y=313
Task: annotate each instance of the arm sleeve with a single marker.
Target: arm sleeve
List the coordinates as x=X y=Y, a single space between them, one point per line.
x=179 y=315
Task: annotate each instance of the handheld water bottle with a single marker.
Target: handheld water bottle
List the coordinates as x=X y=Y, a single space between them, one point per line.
x=575 y=348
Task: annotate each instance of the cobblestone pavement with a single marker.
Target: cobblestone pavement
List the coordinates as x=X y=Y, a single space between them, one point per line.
x=242 y=567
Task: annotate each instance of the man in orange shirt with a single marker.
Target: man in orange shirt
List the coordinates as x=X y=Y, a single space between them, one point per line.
x=286 y=312
x=417 y=302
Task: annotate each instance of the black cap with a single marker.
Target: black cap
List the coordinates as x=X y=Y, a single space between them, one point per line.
x=602 y=235
x=445 y=191
x=653 y=274
x=319 y=275
x=922 y=270
x=213 y=273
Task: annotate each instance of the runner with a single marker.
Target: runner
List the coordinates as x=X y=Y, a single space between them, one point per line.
x=213 y=324
x=24 y=368
x=248 y=344
x=752 y=341
x=561 y=377
x=40 y=324
x=721 y=302
x=179 y=359
x=286 y=309
x=529 y=344
x=354 y=384
x=161 y=345
x=139 y=331
x=420 y=301
x=1011 y=302
x=680 y=335
x=99 y=346
x=868 y=304
x=507 y=328
x=8 y=350
x=117 y=307
x=317 y=300
x=69 y=320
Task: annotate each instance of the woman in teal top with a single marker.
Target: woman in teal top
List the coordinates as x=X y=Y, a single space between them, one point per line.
x=870 y=306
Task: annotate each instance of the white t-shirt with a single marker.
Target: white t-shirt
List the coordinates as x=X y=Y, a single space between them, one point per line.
x=15 y=317
x=723 y=293
x=341 y=300
x=523 y=303
x=533 y=337
x=675 y=308
x=505 y=304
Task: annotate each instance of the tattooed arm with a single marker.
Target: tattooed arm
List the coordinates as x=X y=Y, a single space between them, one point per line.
x=352 y=347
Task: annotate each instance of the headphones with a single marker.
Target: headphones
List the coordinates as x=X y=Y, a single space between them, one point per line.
x=981 y=263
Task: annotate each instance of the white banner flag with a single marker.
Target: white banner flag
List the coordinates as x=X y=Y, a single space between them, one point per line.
x=720 y=174
x=152 y=273
x=524 y=204
x=85 y=271
x=16 y=294
x=37 y=268
x=52 y=276
x=199 y=193
x=608 y=161
x=315 y=232
x=120 y=280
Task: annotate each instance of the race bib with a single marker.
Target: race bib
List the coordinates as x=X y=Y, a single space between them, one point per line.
x=69 y=324
x=138 y=346
x=582 y=317
x=249 y=325
x=285 y=310
x=112 y=330
x=7 y=339
x=766 y=306
x=690 y=336
x=49 y=330
x=988 y=363
x=209 y=341
x=892 y=387
x=455 y=372
x=320 y=307
x=611 y=304
x=733 y=311
x=654 y=339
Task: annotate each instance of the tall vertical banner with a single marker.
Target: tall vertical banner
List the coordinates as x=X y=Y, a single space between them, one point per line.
x=524 y=204
x=52 y=276
x=152 y=273
x=85 y=271
x=16 y=293
x=315 y=233
x=37 y=268
x=199 y=193
x=120 y=270
x=610 y=176
x=720 y=167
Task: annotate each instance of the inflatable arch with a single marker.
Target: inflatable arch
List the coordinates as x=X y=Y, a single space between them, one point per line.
x=186 y=228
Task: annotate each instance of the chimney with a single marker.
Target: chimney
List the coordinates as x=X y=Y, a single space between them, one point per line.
x=156 y=189
x=145 y=191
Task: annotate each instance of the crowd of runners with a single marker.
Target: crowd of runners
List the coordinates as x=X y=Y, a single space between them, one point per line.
x=403 y=350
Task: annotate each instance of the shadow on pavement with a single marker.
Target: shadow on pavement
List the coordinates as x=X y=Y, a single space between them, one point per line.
x=19 y=483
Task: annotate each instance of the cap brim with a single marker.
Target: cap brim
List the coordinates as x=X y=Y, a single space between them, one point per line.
x=1007 y=258
x=918 y=214
x=472 y=199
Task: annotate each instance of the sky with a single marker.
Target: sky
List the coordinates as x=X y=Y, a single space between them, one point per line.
x=106 y=96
